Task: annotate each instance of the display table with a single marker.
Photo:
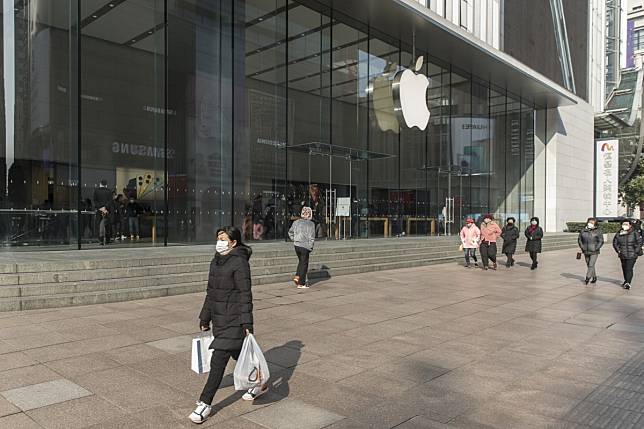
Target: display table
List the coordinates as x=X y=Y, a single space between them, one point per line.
x=411 y=219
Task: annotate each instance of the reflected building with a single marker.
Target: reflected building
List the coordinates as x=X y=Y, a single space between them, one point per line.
x=208 y=113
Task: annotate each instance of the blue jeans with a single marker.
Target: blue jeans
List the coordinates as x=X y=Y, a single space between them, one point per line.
x=133 y=223
x=469 y=253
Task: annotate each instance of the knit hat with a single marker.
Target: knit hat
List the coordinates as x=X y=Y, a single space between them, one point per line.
x=307 y=213
x=469 y=220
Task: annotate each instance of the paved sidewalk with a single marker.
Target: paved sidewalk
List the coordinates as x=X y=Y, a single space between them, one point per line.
x=431 y=347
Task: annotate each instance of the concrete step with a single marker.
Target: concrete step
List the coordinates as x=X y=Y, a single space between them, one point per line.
x=138 y=279
x=260 y=263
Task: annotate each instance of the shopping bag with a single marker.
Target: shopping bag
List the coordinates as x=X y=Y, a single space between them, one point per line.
x=251 y=369
x=578 y=255
x=201 y=354
x=460 y=248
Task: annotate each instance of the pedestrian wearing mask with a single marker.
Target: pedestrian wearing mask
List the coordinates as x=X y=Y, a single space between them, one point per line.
x=628 y=245
x=510 y=235
x=229 y=308
x=470 y=238
x=302 y=234
x=534 y=234
x=590 y=242
x=490 y=233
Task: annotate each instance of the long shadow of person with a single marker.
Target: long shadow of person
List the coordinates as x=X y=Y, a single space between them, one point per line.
x=282 y=361
x=581 y=278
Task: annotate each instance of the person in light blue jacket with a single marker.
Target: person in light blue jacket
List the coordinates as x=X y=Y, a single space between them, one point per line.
x=302 y=233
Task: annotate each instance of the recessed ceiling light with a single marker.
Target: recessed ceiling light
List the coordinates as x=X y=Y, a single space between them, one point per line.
x=133 y=40
x=261 y=19
x=94 y=16
x=111 y=5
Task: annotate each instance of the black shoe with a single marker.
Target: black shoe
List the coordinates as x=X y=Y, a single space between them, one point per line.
x=534 y=266
x=587 y=280
x=508 y=264
x=593 y=280
x=484 y=268
x=512 y=263
x=627 y=286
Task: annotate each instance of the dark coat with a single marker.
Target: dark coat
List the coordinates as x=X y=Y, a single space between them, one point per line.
x=628 y=245
x=229 y=300
x=102 y=198
x=510 y=235
x=590 y=241
x=534 y=238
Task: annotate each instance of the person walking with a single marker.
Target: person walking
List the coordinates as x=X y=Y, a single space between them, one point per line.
x=628 y=245
x=228 y=307
x=490 y=233
x=302 y=234
x=102 y=203
x=132 y=210
x=534 y=234
x=510 y=235
x=470 y=238
x=590 y=242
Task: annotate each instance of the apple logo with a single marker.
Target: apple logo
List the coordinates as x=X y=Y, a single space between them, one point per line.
x=409 y=90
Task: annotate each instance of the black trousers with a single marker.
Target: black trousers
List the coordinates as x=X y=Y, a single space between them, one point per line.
x=627 y=269
x=218 y=364
x=303 y=263
x=533 y=256
x=488 y=252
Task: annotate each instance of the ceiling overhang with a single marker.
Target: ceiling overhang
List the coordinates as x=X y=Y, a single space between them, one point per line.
x=448 y=42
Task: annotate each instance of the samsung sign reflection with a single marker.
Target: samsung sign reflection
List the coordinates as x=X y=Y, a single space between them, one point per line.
x=607 y=170
x=141 y=150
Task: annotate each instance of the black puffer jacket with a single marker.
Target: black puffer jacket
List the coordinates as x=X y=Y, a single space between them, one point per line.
x=590 y=241
x=534 y=237
x=510 y=236
x=628 y=244
x=229 y=300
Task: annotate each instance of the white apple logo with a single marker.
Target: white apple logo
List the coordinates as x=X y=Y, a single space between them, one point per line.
x=410 y=96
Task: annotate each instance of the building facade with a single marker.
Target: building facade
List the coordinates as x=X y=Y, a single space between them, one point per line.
x=208 y=113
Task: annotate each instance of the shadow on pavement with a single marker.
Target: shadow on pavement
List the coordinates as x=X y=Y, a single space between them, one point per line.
x=581 y=278
x=287 y=354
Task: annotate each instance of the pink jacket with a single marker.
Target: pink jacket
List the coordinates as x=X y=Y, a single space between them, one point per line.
x=490 y=232
x=470 y=237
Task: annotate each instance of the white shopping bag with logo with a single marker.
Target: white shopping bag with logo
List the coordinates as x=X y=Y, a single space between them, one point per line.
x=251 y=369
x=201 y=354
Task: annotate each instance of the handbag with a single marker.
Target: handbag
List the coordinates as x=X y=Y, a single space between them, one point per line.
x=460 y=248
x=578 y=255
x=201 y=353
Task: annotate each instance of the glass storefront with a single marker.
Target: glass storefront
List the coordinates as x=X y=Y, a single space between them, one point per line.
x=179 y=117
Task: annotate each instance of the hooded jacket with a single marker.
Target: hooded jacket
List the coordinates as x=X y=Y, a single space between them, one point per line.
x=302 y=233
x=470 y=237
x=534 y=236
x=510 y=235
x=229 y=300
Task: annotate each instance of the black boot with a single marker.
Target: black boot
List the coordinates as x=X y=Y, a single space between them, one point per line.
x=593 y=280
x=534 y=266
x=586 y=280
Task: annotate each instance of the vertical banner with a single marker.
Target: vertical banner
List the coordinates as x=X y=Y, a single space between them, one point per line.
x=607 y=168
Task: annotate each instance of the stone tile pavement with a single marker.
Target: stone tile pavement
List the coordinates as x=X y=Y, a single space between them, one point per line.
x=433 y=347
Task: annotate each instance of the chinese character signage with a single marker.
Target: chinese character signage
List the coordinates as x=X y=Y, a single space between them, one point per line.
x=607 y=164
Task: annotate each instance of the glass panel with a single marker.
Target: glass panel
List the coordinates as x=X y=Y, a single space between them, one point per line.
x=260 y=122
x=457 y=177
x=200 y=114
x=38 y=188
x=309 y=77
x=122 y=124
x=527 y=167
x=384 y=136
x=513 y=158
x=478 y=161
x=498 y=153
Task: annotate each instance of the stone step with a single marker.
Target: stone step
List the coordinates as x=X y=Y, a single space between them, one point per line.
x=109 y=259
x=56 y=296
x=261 y=264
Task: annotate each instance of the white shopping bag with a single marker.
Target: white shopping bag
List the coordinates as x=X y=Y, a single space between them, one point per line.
x=201 y=354
x=251 y=369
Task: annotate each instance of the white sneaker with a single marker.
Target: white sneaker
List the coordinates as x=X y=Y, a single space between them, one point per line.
x=304 y=286
x=255 y=393
x=201 y=413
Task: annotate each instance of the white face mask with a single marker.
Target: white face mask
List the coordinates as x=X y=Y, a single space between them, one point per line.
x=222 y=247
x=626 y=227
x=590 y=225
x=534 y=222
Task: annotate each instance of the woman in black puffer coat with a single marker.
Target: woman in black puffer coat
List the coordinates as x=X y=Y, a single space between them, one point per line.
x=229 y=307
x=534 y=235
x=510 y=235
x=628 y=245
